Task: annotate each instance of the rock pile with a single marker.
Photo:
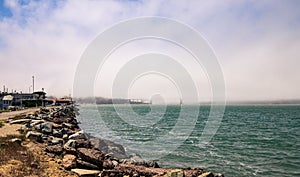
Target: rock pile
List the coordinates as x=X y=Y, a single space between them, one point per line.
x=84 y=154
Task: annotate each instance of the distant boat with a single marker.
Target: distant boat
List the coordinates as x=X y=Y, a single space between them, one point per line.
x=139 y=101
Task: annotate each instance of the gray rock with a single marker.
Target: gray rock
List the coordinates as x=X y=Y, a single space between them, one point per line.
x=38 y=127
x=79 y=135
x=68 y=125
x=31 y=116
x=69 y=146
x=57 y=141
x=136 y=158
x=91 y=155
x=153 y=164
x=64 y=131
x=20 y=121
x=84 y=172
x=34 y=135
x=82 y=143
x=70 y=143
x=65 y=136
x=36 y=122
x=175 y=172
x=25 y=127
x=207 y=174
x=86 y=165
x=27 y=124
x=16 y=140
x=44 y=137
x=57 y=133
x=46 y=128
x=109 y=147
x=115 y=163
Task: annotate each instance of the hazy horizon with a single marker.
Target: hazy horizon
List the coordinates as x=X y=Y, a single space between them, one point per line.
x=257 y=44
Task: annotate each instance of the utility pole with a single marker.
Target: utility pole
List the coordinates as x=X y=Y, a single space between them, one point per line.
x=32 y=83
x=21 y=105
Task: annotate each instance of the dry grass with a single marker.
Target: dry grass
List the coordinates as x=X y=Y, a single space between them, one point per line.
x=4 y=111
x=16 y=160
x=28 y=160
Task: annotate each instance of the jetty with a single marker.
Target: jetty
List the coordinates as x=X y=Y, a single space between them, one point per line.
x=54 y=145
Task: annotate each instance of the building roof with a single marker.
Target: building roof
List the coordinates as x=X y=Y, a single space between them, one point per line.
x=8 y=97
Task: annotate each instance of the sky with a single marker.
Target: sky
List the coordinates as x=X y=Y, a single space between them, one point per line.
x=257 y=44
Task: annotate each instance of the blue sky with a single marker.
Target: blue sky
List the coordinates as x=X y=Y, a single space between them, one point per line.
x=4 y=11
x=257 y=42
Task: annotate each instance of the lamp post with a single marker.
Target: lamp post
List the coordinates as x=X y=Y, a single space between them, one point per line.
x=21 y=105
x=32 y=83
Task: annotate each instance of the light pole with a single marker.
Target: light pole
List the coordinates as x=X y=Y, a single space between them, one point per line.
x=32 y=83
x=29 y=88
x=21 y=106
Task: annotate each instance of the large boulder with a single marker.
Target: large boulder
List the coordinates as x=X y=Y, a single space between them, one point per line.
x=109 y=147
x=86 y=165
x=93 y=156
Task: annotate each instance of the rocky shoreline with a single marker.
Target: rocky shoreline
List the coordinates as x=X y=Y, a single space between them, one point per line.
x=57 y=130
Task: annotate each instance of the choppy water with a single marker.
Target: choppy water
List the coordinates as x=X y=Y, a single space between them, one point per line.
x=251 y=141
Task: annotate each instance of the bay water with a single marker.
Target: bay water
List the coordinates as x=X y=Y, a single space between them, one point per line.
x=252 y=140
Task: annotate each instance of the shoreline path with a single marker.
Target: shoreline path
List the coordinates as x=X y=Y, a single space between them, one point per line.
x=11 y=129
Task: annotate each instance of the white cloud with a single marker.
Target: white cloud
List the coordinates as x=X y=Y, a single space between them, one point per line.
x=257 y=42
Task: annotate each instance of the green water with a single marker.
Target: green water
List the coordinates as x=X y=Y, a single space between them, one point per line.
x=251 y=140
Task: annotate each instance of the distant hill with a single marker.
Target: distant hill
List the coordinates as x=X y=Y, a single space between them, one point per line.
x=102 y=100
x=275 y=102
